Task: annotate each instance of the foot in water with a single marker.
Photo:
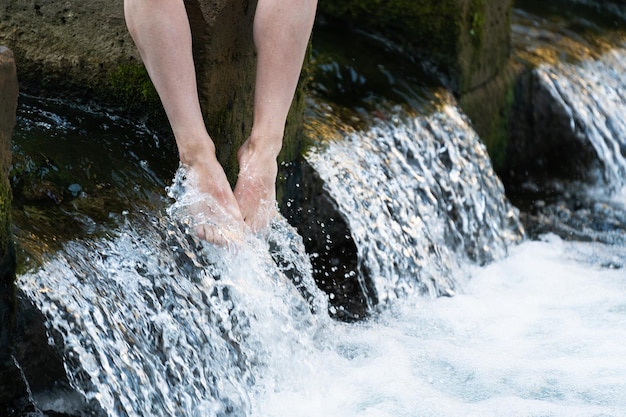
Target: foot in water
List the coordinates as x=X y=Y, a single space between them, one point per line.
x=207 y=200
x=255 y=190
x=216 y=213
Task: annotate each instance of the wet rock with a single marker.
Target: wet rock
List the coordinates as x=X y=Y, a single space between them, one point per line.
x=544 y=143
x=467 y=40
x=614 y=7
x=490 y=107
x=551 y=138
x=467 y=43
x=10 y=385
x=328 y=239
x=38 y=355
x=24 y=349
x=67 y=47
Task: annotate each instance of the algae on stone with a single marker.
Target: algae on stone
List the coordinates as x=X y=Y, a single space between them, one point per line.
x=467 y=40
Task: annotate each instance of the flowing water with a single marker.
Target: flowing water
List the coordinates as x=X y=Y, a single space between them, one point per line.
x=152 y=321
x=419 y=193
x=592 y=94
x=580 y=73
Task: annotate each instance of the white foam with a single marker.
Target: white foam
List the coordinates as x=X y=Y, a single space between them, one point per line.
x=539 y=333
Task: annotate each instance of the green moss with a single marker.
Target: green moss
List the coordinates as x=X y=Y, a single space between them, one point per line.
x=497 y=142
x=466 y=40
x=431 y=27
x=131 y=85
x=490 y=107
x=227 y=139
x=5 y=210
x=448 y=33
x=477 y=23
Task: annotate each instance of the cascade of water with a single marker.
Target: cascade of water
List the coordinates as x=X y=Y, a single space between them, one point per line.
x=151 y=321
x=417 y=193
x=154 y=322
x=591 y=94
x=579 y=107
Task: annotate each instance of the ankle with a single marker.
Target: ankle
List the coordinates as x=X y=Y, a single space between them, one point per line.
x=194 y=151
x=265 y=146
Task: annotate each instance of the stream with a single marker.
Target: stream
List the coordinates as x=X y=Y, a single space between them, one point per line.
x=477 y=297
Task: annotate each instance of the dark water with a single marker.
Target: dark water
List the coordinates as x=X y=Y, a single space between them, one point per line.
x=151 y=321
x=76 y=170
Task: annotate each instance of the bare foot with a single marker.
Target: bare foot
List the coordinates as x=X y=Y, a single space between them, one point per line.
x=255 y=190
x=215 y=211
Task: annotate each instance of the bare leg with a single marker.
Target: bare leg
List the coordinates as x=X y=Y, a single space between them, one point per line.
x=160 y=29
x=281 y=34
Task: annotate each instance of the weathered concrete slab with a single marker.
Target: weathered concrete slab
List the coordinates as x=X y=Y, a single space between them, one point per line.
x=62 y=45
x=467 y=43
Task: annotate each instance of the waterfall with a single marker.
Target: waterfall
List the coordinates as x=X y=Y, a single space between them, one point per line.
x=581 y=106
x=152 y=321
x=592 y=95
x=420 y=195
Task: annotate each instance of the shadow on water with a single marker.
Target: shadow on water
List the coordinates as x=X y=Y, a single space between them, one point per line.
x=578 y=15
x=362 y=75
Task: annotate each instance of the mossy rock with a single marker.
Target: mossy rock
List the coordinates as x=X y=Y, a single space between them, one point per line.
x=131 y=85
x=490 y=108
x=8 y=106
x=467 y=40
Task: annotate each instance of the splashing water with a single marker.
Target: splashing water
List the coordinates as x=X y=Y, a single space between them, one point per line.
x=200 y=210
x=589 y=97
x=419 y=195
x=155 y=322
x=152 y=321
x=536 y=334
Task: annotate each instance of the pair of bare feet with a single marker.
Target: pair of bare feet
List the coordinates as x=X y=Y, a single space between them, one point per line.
x=227 y=214
x=281 y=32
